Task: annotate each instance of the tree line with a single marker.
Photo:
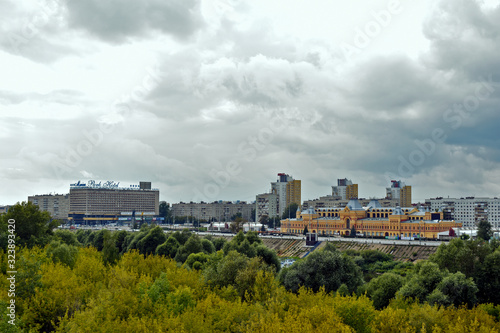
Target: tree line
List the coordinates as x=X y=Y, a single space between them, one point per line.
x=155 y=281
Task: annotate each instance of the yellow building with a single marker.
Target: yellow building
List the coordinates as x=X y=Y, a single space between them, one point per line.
x=293 y=192
x=371 y=221
x=352 y=191
x=405 y=196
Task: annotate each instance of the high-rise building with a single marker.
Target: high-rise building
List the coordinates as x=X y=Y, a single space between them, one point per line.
x=56 y=204
x=405 y=196
x=399 y=191
x=293 y=192
x=345 y=189
x=266 y=204
x=288 y=190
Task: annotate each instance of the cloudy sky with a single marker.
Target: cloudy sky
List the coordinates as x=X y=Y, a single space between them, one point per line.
x=210 y=100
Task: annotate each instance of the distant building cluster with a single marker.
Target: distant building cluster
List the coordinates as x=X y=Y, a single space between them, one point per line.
x=345 y=189
x=399 y=191
x=371 y=220
x=94 y=202
x=398 y=194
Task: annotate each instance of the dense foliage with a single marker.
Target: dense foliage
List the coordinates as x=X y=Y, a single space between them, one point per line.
x=234 y=293
x=149 y=280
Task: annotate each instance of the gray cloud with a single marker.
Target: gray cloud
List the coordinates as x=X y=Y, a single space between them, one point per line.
x=119 y=21
x=219 y=90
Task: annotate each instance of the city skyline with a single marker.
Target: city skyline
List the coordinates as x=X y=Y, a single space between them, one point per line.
x=210 y=101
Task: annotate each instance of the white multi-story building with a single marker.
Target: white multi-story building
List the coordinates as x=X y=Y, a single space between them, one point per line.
x=56 y=204
x=221 y=211
x=266 y=204
x=286 y=191
x=345 y=189
x=399 y=191
x=470 y=210
x=279 y=188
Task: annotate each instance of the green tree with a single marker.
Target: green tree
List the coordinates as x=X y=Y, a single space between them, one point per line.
x=326 y=268
x=306 y=231
x=208 y=246
x=459 y=289
x=269 y=256
x=422 y=283
x=196 y=260
x=83 y=235
x=488 y=279
x=159 y=289
x=110 y=252
x=164 y=210
x=484 y=230
x=133 y=239
x=33 y=227
x=236 y=216
x=222 y=272
x=169 y=248
x=182 y=236
x=98 y=242
x=219 y=243
x=353 y=232
x=290 y=211
x=462 y=256
x=264 y=220
x=62 y=252
x=383 y=288
x=193 y=245
x=67 y=237
x=148 y=244
x=120 y=240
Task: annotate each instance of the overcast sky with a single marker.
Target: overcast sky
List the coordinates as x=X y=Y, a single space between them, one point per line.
x=210 y=100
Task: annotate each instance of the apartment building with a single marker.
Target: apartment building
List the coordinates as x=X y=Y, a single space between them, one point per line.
x=219 y=211
x=57 y=205
x=469 y=210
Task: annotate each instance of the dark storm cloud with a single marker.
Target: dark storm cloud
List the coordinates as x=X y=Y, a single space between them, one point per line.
x=117 y=21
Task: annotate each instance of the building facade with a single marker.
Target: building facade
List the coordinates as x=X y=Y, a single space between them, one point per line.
x=335 y=201
x=469 y=210
x=399 y=191
x=102 y=203
x=370 y=221
x=266 y=204
x=293 y=192
x=220 y=211
x=57 y=205
x=345 y=189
